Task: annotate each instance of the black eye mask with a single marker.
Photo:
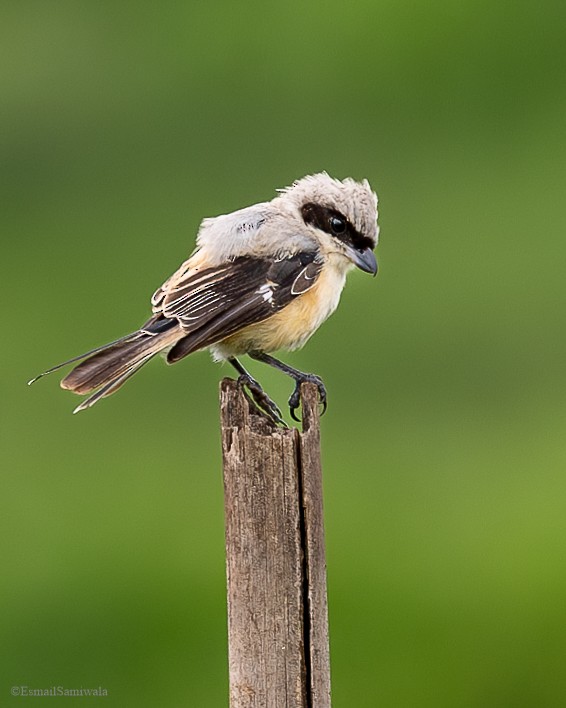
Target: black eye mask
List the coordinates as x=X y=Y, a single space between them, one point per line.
x=336 y=225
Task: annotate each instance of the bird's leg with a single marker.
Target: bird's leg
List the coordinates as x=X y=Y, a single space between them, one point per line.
x=299 y=378
x=260 y=399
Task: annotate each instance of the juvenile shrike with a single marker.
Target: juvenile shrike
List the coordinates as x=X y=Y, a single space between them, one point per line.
x=260 y=279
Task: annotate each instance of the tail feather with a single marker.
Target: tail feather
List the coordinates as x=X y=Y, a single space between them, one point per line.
x=117 y=361
x=103 y=370
x=104 y=347
x=113 y=385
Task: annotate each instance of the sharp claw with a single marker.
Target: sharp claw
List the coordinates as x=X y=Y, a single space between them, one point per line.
x=273 y=412
x=276 y=409
x=295 y=399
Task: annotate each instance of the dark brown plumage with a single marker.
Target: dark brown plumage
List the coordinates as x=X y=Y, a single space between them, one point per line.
x=261 y=279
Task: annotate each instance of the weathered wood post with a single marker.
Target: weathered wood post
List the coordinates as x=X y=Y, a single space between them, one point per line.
x=275 y=558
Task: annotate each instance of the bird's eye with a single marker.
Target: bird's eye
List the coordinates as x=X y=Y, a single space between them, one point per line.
x=337 y=225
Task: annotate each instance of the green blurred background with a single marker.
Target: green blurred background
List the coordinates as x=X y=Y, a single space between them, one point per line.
x=122 y=125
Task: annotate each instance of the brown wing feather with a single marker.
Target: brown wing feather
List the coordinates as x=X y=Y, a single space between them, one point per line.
x=211 y=304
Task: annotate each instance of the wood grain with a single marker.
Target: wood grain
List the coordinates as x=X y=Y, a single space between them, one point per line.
x=315 y=551
x=275 y=560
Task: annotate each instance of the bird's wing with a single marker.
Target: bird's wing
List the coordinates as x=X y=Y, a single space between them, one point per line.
x=213 y=303
x=220 y=240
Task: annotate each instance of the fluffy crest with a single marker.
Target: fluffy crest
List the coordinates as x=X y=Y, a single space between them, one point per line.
x=356 y=200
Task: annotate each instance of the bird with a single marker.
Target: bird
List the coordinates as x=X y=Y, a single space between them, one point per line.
x=260 y=279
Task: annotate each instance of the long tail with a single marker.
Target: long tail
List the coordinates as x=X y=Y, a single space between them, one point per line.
x=106 y=368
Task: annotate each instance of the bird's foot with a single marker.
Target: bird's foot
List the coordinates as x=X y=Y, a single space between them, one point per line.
x=295 y=399
x=260 y=400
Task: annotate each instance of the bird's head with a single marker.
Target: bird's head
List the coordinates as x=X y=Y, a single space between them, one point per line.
x=341 y=216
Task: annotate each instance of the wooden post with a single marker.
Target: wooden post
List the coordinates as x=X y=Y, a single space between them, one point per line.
x=275 y=559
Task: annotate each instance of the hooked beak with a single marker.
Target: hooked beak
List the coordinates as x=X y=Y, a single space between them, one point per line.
x=364 y=260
